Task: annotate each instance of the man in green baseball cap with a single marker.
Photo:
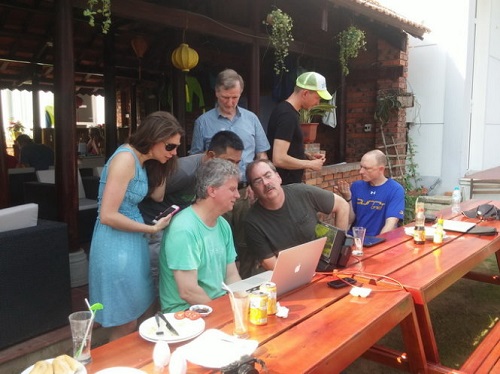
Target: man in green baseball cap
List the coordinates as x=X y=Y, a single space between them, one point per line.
x=284 y=132
x=314 y=82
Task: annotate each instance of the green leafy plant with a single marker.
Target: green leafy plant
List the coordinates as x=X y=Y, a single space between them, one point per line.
x=307 y=115
x=15 y=129
x=386 y=105
x=350 y=41
x=280 y=36
x=409 y=180
x=389 y=102
x=93 y=10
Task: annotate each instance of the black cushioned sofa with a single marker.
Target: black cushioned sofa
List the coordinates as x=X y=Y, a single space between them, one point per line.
x=35 y=286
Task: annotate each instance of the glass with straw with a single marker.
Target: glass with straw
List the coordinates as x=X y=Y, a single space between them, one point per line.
x=240 y=303
x=81 y=332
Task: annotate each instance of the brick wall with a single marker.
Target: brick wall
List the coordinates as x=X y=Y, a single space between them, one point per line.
x=328 y=177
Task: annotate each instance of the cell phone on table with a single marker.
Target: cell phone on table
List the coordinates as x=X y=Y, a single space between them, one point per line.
x=340 y=283
x=170 y=210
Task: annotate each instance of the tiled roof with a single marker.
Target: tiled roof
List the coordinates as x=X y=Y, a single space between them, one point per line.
x=372 y=9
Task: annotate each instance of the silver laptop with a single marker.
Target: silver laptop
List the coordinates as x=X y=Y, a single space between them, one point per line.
x=294 y=267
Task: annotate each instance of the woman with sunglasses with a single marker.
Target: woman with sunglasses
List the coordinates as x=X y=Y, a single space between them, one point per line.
x=119 y=271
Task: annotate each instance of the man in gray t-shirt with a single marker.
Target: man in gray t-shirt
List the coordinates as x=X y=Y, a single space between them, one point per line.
x=285 y=216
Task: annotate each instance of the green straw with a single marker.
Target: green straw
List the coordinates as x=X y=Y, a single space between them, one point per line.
x=93 y=309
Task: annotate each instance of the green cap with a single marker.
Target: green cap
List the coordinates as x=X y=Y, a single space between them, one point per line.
x=314 y=82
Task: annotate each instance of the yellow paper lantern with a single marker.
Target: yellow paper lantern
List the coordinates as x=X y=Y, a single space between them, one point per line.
x=184 y=58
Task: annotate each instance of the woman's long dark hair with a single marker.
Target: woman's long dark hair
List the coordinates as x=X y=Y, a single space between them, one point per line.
x=157 y=127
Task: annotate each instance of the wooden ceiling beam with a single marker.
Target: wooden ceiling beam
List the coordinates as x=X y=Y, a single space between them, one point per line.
x=177 y=18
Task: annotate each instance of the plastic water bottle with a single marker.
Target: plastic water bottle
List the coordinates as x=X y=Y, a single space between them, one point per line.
x=456 y=199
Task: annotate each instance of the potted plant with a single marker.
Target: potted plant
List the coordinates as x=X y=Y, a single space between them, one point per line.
x=105 y=10
x=15 y=128
x=280 y=36
x=350 y=41
x=306 y=119
x=390 y=101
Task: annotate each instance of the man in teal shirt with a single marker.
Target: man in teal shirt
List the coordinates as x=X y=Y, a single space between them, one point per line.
x=197 y=252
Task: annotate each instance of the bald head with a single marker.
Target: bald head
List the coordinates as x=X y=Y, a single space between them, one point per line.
x=373 y=167
x=378 y=156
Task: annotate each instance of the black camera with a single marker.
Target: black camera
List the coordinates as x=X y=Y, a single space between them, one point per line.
x=245 y=365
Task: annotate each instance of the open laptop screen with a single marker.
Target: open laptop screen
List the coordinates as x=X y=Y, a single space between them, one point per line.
x=294 y=267
x=334 y=240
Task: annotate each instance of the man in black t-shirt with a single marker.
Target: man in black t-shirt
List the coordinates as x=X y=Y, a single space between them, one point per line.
x=286 y=216
x=284 y=132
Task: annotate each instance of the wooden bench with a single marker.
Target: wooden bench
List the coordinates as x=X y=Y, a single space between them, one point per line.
x=486 y=357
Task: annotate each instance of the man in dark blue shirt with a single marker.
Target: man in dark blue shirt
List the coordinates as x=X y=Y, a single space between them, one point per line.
x=38 y=156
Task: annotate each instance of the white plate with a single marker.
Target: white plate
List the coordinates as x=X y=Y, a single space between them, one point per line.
x=186 y=328
x=429 y=232
x=215 y=349
x=120 y=370
x=80 y=370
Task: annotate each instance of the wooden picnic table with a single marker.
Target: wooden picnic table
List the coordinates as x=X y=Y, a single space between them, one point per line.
x=328 y=329
x=427 y=270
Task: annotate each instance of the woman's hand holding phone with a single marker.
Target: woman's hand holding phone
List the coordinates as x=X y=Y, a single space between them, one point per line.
x=162 y=220
x=171 y=210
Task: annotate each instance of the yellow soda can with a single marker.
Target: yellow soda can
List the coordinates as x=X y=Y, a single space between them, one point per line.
x=270 y=289
x=258 y=308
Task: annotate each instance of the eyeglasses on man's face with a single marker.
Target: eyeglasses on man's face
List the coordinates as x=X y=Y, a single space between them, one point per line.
x=169 y=147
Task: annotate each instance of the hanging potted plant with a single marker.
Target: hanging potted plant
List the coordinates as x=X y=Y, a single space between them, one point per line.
x=350 y=41
x=389 y=101
x=307 y=117
x=93 y=10
x=280 y=36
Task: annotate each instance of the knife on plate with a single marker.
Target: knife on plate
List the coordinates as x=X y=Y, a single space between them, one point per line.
x=168 y=324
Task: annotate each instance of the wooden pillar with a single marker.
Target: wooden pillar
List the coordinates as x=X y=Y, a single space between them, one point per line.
x=124 y=108
x=110 y=93
x=65 y=120
x=179 y=103
x=179 y=99
x=35 y=93
x=4 y=177
x=254 y=81
x=133 y=109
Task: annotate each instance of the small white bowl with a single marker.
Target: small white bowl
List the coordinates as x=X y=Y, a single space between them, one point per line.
x=204 y=310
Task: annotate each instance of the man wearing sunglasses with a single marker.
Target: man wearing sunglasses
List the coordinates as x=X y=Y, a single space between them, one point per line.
x=227 y=115
x=180 y=188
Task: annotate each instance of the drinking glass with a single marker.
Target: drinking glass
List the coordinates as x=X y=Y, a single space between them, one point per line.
x=359 y=236
x=240 y=303
x=81 y=332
